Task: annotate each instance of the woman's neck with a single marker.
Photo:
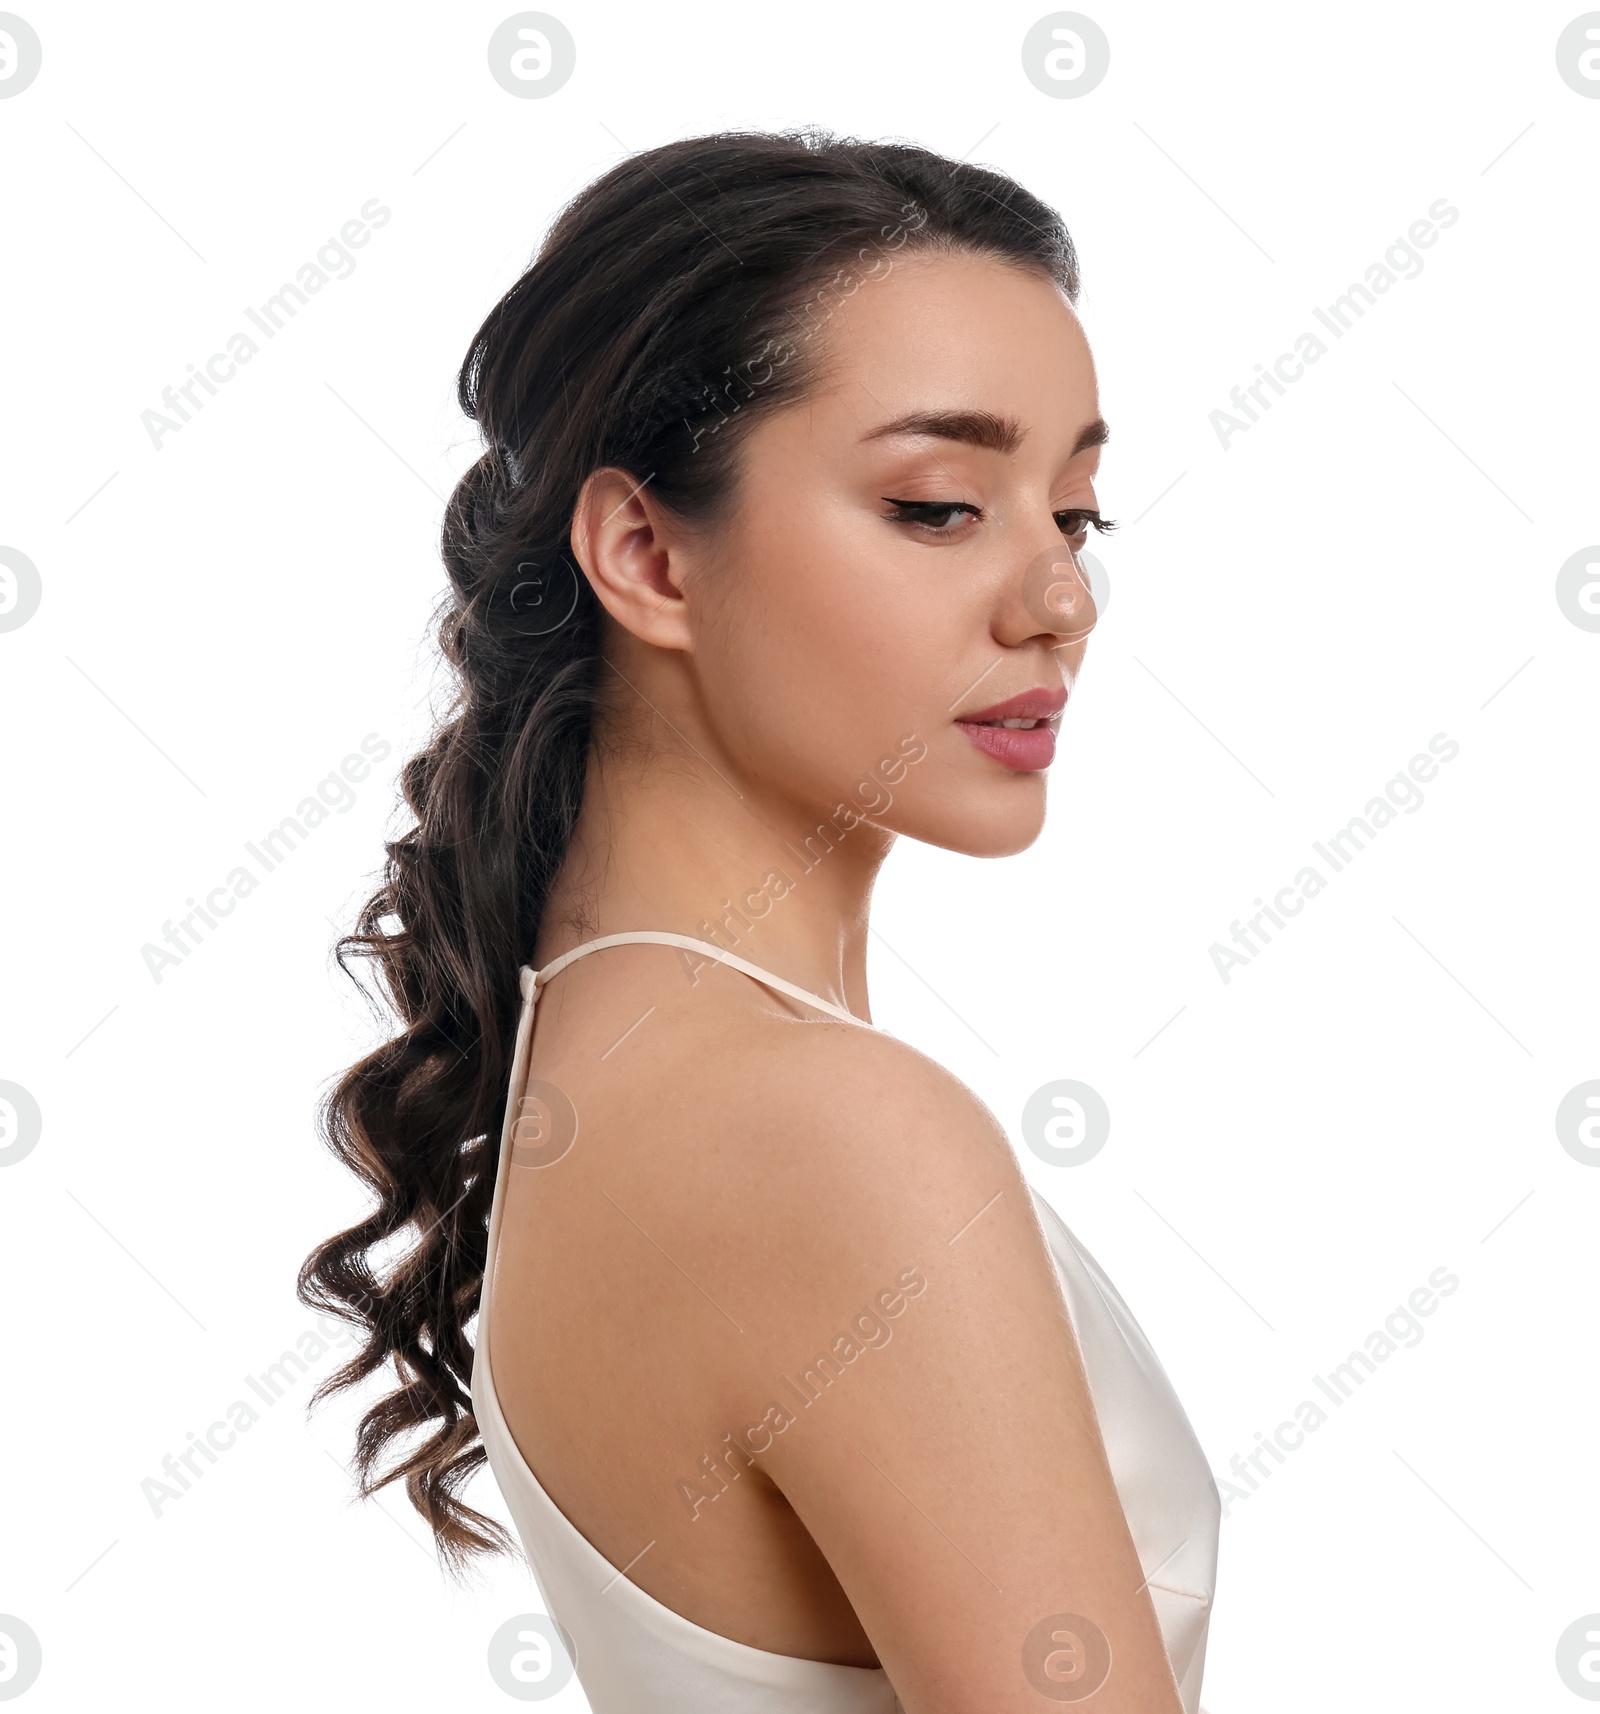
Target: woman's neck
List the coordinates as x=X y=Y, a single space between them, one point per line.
x=671 y=840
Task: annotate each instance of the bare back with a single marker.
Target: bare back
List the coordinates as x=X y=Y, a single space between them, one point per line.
x=616 y=1328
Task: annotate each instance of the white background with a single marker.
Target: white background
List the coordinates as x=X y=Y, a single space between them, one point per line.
x=1293 y=617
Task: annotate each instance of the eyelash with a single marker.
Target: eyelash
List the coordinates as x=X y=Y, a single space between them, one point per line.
x=914 y=512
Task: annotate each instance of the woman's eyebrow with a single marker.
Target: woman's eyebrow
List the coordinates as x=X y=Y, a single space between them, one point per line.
x=980 y=428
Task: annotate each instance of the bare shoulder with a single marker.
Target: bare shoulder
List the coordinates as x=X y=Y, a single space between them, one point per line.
x=851 y=1143
x=839 y=1172
x=721 y=1103
x=801 y=1164
x=846 y=1101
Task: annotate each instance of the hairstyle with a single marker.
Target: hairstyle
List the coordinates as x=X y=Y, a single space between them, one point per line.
x=672 y=302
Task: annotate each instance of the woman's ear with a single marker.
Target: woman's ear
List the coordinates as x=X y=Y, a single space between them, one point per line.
x=633 y=552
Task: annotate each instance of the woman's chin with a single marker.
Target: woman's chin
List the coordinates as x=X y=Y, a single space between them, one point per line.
x=984 y=824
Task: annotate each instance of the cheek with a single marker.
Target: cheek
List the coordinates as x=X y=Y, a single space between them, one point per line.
x=836 y=650
x=1070 y=656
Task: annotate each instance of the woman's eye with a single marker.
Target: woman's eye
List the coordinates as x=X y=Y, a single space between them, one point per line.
x=936 y=517
x=1076 y=521
x=932 y=515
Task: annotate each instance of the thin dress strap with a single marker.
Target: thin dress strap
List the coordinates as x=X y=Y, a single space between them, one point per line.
x=655 y=937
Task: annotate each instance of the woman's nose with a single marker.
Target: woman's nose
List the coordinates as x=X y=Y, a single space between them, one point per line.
x=1050 y=596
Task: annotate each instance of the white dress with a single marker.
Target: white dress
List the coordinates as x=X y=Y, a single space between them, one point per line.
x=635 y=1656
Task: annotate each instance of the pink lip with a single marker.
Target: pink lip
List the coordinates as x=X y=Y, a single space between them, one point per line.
x=1023 y=751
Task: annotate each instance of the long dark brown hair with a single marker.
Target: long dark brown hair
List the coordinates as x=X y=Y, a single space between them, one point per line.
x=672 y=301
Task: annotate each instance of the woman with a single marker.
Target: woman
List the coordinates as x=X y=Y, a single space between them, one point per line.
x=799 y=1399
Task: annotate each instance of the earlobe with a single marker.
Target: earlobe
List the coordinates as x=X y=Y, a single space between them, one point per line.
x=632 y=553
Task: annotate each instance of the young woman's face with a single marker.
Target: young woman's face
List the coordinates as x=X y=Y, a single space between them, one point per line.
x=899 y=573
